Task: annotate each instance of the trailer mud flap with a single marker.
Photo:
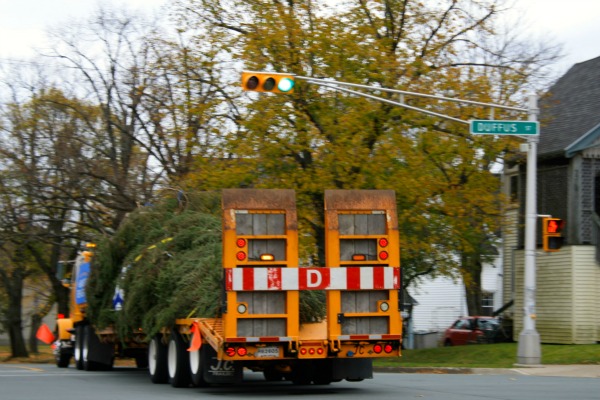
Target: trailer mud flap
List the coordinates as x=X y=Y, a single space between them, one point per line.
x=219 y=371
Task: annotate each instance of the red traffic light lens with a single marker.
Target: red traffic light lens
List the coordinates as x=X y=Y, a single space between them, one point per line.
x=252 y=83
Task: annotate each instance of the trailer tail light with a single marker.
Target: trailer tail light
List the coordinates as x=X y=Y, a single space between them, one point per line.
x=241 y=243
x=378 y=348
x=383 y=242
x=383 y=255
x=241 y=351
x=312 y=349
x=388 y=348
x=60 y=316
x=240 y=255
x=230 y=351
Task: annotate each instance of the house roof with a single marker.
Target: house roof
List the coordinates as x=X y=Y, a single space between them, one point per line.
x=570 y=111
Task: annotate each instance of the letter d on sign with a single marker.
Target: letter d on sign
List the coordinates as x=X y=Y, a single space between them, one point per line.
x=313 y=278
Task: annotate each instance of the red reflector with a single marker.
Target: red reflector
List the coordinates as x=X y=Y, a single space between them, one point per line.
x=383 y=255
x=230 y=351
x=383 y=242
x=241 y=242
x=60 y=316
x=241 y=256
x=377 y=348
x=388 y=348
x=242 y=351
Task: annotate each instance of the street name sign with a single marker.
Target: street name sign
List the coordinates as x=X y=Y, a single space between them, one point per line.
x=491 y=127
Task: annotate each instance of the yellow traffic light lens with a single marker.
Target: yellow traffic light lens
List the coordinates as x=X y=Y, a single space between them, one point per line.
x=252 y=82
x=269 y=84
x=285 y=85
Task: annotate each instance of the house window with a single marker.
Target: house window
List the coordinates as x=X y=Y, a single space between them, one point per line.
x=487 y=304
x=513 y=188
x=597 y=194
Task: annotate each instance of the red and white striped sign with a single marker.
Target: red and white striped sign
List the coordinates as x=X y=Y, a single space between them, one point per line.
x=349 y=278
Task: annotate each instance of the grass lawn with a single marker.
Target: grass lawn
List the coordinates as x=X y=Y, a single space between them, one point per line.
x=501 y=355
x=44 y=355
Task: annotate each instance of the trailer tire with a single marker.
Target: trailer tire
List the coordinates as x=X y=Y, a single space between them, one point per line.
x=63 y=359
x=86 y=348
x=157 y=360
x=178 y=361
x=197 y=366
x=78 y=348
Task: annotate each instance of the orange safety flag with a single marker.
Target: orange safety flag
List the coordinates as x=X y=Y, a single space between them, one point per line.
x=196 y=342
x=45 y=334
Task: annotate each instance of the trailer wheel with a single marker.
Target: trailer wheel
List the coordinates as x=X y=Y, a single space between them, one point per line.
x=63 y=358
x=86 y=348
x=197 y=361
x=78 y=348
x=157 y=360
x=178 y=361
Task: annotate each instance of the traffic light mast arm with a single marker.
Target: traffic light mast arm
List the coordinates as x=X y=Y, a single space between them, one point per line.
x=337 y=85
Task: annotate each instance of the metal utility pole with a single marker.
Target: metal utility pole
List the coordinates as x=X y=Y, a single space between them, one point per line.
x=529 y=350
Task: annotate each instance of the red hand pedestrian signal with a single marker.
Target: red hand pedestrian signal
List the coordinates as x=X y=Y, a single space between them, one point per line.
x=552 y=234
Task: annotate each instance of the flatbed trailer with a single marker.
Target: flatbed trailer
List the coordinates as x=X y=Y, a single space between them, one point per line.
x=259 y=327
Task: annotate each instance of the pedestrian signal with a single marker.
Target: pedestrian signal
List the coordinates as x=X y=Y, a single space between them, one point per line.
x=552 y=237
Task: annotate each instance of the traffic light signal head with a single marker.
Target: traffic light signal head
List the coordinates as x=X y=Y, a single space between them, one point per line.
x=552 y=229
x=272 y=82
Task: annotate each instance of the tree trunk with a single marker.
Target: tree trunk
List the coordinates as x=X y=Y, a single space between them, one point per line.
x=36 y=321
x=472 y=279
x=14 y=320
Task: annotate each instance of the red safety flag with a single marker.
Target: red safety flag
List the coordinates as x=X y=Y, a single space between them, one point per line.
x=196 y=342
x=44 y=334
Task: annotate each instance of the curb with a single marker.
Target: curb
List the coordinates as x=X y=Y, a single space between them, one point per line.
x=427 y=370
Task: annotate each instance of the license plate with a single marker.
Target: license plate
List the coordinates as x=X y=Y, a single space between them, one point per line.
x=267 y=352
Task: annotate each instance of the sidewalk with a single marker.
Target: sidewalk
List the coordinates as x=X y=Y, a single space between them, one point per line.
x=579 y=371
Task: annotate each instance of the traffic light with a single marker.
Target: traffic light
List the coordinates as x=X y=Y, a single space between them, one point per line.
x=552 y=233
x=272 y=82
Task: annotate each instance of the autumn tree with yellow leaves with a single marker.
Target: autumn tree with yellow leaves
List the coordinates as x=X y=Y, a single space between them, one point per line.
x=316 y=138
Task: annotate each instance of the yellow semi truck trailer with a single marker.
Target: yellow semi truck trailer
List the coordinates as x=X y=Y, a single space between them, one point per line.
x=260 y=328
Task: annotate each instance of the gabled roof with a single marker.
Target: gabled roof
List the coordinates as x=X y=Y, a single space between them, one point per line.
x=588 y=140
x=570 y=110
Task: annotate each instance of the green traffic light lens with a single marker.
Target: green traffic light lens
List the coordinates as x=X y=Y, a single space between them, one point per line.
x=269 y=84
x=285 y=85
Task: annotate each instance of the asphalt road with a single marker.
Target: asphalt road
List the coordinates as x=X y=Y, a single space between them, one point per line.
x=46 y=382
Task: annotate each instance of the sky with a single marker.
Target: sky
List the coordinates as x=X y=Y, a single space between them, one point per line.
x=574 y=23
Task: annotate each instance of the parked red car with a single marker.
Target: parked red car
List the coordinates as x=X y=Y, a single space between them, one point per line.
x=471 y=330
